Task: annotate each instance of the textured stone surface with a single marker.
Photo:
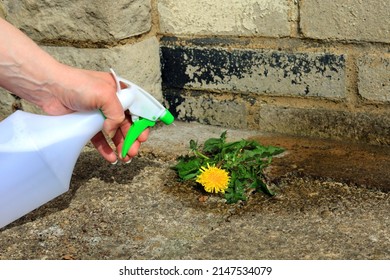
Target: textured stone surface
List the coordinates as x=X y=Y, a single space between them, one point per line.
x=208 y=109
x=346 y=20
x=82 y=20
x=254 y=71
x=2 y=13
x=6 y=101
x=140 y=211
x=139 y=63
x=247 y=112
x=374 y=78
x=366 y=127
x=238 y=17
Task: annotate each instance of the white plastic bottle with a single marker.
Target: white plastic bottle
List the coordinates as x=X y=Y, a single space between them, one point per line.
x=37 y=157
x=38 y=153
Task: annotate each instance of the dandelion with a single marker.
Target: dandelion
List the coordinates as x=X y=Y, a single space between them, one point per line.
x=213 y=179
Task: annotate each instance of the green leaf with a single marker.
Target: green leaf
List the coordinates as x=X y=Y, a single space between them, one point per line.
x=214 y=145
x=235 y=192
x=188 y=168
x=193 y=145
x=244 y=160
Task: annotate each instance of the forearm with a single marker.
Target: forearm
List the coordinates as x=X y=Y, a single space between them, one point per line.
x=25 y=69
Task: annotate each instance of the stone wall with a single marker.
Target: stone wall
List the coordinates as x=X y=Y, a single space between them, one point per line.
x=91 y=34
x=310 y=67
x=303 y=67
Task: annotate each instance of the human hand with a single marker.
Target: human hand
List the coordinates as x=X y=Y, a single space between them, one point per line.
x=85 y=90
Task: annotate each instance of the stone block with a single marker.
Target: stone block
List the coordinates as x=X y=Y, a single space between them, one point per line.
x=139 y=63
x=245 y=113
x=206 y=108
x=366 y=127
x=374 y=78
x=274 y=73
x=346 y=20
x=83 y=20
x=239 y=17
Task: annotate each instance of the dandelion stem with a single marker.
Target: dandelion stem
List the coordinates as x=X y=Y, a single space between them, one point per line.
x=199 y=154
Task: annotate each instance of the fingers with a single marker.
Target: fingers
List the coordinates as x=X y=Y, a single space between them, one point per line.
x=102 y=146
x=117 y=122
x=119 y=139
x=133 y=151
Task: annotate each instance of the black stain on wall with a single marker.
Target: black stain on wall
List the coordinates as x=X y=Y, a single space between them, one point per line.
x=184 y=66
x=174 y=98
x=220 y=64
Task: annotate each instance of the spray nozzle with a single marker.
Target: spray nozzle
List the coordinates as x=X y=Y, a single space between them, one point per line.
x=145 y=110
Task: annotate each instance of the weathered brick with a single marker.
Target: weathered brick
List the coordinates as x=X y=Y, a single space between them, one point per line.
x=220 y=17
x=346 y=20
x=266 y=72
x=82 y=20
x=374 y=78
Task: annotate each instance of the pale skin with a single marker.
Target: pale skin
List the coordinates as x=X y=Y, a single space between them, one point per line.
x=32 y=74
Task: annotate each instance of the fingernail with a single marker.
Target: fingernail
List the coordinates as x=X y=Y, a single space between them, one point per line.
x=127 y=162
x=114 y=163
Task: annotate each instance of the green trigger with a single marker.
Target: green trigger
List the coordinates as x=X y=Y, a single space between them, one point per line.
x=134 y=132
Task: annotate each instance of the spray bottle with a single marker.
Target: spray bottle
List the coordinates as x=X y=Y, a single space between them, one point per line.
x=38 y=153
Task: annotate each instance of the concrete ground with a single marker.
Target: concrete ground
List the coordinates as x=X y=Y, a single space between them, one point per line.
x=140 y=210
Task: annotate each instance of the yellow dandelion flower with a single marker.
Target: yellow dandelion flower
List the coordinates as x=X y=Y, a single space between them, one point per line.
x=213 y=179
